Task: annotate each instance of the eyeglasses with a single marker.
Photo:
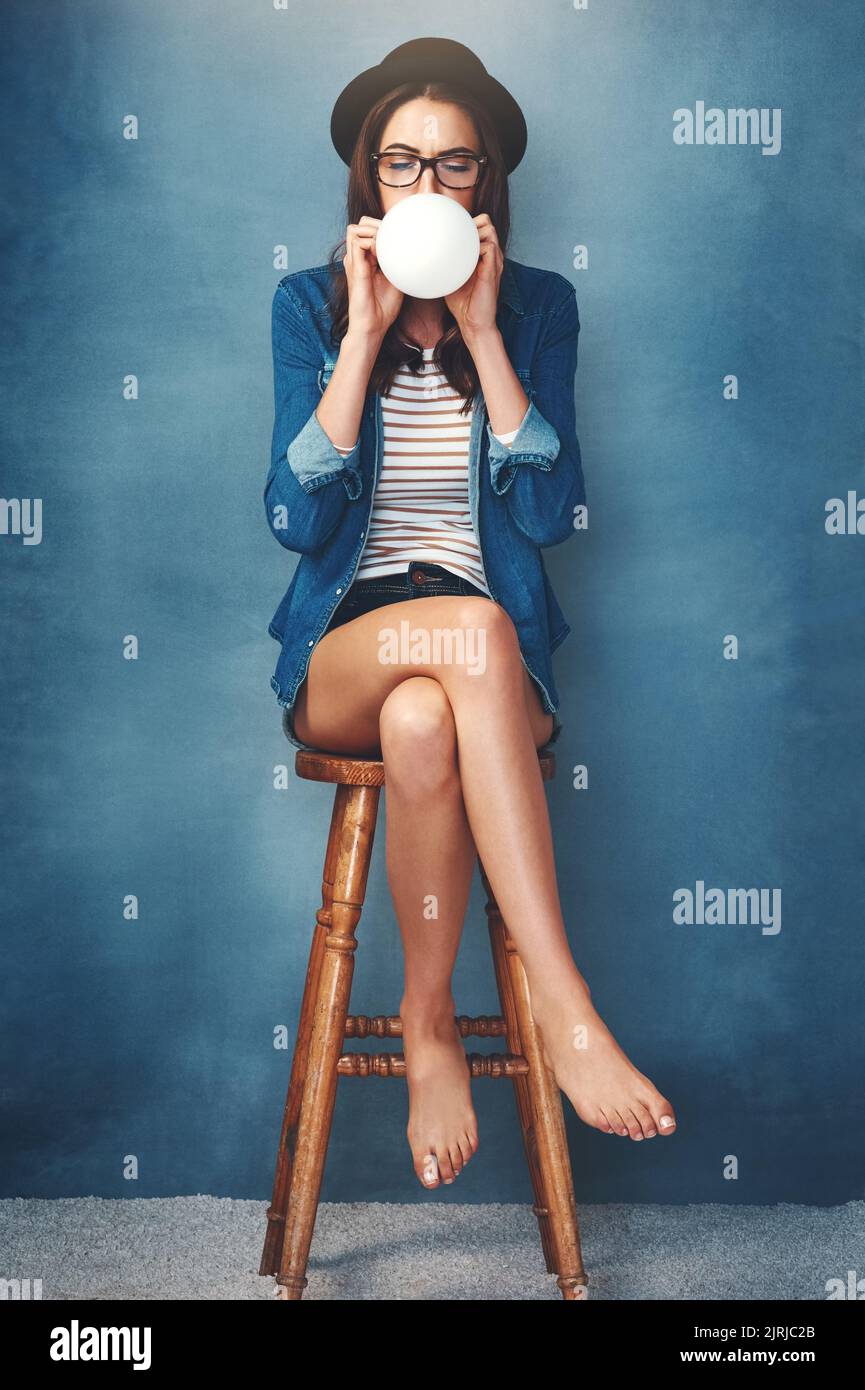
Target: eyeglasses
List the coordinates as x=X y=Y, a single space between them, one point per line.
x=398 y=170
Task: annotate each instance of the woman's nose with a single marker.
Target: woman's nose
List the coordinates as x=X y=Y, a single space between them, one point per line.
x=428 y=182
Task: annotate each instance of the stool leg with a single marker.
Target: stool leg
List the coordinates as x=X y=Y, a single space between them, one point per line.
x=521 y=1088
x=273 y=1240
x=355 y=811
x=539 y=1105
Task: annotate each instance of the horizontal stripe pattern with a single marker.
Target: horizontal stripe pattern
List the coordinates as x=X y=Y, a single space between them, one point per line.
x=421 y=505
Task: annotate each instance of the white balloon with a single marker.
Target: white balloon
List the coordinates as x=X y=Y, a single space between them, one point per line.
x=427 y=245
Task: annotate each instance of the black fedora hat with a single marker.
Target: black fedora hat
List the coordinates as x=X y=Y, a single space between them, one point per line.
x=430 y=59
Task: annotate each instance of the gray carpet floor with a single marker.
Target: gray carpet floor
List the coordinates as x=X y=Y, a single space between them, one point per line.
x=210 y=1247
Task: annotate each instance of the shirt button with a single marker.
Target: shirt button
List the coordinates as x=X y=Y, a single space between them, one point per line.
x=339 y=591
x=362 y=534
x=309 y=644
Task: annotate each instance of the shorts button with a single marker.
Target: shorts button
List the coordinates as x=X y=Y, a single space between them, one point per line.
x=419 y=577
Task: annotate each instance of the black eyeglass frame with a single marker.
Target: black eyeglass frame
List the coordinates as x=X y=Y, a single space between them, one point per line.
x=479 y=159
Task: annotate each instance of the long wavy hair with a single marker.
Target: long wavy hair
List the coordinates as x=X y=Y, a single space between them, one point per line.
x=451 y=356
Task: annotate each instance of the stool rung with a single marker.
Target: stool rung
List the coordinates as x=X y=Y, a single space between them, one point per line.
x=390 y=1026
x=494 y=1064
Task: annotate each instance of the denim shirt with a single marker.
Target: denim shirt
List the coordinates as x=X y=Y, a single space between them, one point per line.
x=522 y=495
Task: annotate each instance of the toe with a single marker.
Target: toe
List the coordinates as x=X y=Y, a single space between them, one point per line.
x=466 y=1149
x=644 y=1115
x=664 y=1115
x=456 y=1158
x=609 y=1121
x=446 y=1172
x=617 y=1120
x=635 y=1129
x=426 y=1167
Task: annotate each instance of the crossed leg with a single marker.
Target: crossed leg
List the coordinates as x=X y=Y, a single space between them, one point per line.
x=462 y=771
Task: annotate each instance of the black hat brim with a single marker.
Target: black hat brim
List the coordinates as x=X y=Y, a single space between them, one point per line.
x=429 y=59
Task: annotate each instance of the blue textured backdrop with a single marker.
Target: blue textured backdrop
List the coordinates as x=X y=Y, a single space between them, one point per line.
x=154 y=777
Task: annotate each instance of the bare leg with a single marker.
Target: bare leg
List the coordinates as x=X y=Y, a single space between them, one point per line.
x=506 y=809
x=430 y=861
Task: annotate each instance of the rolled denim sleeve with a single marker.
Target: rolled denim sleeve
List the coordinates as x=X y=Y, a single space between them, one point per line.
x=540 y=471
x=302 y=507
x=315 y=460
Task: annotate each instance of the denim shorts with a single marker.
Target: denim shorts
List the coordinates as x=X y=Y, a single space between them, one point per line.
x=420 y=579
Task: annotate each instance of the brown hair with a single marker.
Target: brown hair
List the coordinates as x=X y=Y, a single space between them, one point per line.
x=452 y=357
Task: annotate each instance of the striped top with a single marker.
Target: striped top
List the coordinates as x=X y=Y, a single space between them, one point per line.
x=421 y=508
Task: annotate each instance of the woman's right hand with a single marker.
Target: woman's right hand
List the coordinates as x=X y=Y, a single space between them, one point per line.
x=373 y=302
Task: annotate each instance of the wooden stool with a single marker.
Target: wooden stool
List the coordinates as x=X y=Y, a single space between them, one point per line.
x=325 y=1021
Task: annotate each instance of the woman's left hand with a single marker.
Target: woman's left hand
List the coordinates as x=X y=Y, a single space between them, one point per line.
x=473 y=305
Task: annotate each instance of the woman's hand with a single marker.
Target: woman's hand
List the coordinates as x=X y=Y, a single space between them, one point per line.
x=373 y=302
x=473 y=305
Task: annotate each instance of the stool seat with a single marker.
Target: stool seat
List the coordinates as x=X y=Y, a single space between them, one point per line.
x=367 y=772
x=318 y=1061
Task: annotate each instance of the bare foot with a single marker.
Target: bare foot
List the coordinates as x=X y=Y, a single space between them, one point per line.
x=442 y=1128
x=604 y=1087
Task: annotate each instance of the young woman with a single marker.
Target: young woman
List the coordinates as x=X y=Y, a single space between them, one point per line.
x=410 y=515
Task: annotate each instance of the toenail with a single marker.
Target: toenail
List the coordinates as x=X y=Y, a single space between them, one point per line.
x=637 y=1138
x=666 y=1122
